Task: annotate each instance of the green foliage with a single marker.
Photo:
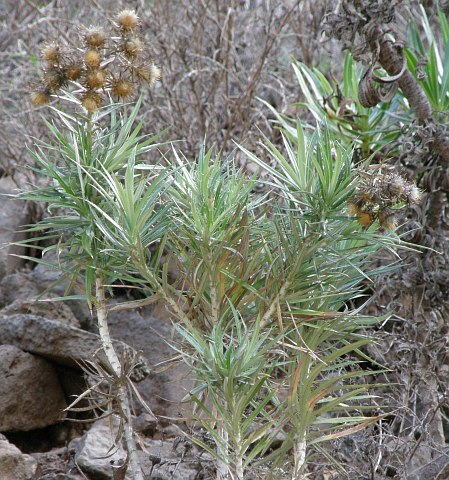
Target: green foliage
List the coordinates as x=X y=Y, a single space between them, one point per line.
x=263 y=286
x=337 y=105
x=90 y=167
x=272 y=280
x=430 y=64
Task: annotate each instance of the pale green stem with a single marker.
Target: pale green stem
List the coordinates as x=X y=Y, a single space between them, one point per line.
x=239 y=459
x=299 y=453
x=122 y=391
x=223 y=452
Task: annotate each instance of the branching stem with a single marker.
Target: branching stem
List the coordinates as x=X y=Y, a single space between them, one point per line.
x=121 y=379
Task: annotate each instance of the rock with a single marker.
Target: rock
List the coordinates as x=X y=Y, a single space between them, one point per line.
x=18 y=286
x=13 y=215
x=145 y=423
x=21 y=294
x=56 y=464
x=148 y=330
x=30 y=394
x=52 y=311
x=93 y=453
x=57 y=342
x=437 y=469
x=166 y=460
x=14 y=465
x=171 y=460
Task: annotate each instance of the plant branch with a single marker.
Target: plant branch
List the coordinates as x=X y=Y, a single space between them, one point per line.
x=120 y=376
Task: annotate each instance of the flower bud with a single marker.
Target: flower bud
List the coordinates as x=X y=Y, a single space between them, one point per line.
x=40 y=97
x=122 y=89
x=91 y=101
x=92 y=59
x=127 y=20
x=95 y=79
x=95 y=37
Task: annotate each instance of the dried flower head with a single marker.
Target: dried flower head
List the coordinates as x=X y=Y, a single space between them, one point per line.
x=413 y=194
x=353 y=209
x=132 y=47
x=128 y=20
x=54 y=79
x=52 y=53
x=156 y=74
x=97 y=71
x=74 y=71
x=122 y=89
x=387 y=219
x=381 y=191
x=40 y=97
x=95 y=37
x=91 y=101
x=365 y=218
x=95 y=79
x=92 y=59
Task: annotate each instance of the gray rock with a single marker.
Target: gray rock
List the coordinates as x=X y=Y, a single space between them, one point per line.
x=14 y=465
x=13 y=215
x=30 y=394
x=48 y=309
x=170 y=460
x=95 y=453
x=55 y=341
x=166 y=460
x=437 y=469
x=148 y=330
x=22 y=289
x=18 y=286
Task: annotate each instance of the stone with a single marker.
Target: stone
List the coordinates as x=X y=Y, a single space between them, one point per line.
x=56 y=341
x=13 y=215
x=58 y=311
x=30 y=394
x=24 y=292
x=149 y=330
x=18 y=286
x=437 y=469
x=171 y=460
x=93 y=452
x=14 y=465
x=165 y=460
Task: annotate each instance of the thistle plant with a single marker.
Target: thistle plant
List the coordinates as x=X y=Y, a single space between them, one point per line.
x=263 y=292
x=262 y=301
x=318 y=261
x=81 y=162
x=113 y=60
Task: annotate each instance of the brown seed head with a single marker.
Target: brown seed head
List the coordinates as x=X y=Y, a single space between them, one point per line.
x=387 y=219
x=52 y=53
x=74 y=71
x=128 y=20
x=92 y=59
x=95 y=78
x=156 y=74
x=54 y=79
x=95 y=37
x=91 y=101
x=122 y=89
x=132 y=47
x=40 y=97
x=148 y=73
x=365 y=218
x=396 y=185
